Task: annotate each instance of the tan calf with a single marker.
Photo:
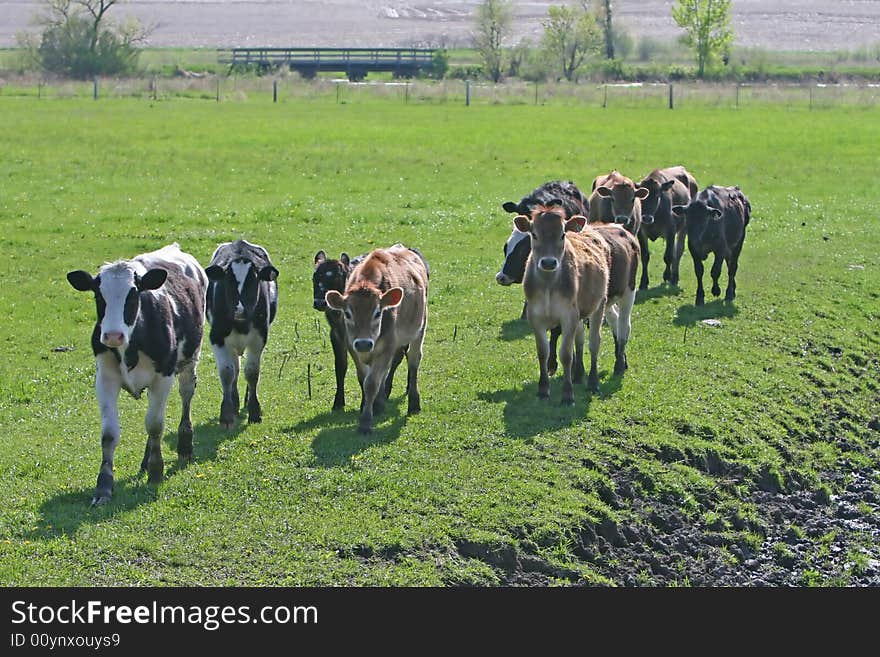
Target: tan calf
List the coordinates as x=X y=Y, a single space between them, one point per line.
x=616 y=199
x=384 y=308
x=565 y=282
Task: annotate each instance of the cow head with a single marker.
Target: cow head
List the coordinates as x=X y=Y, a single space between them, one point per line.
x=329 y=275
x=117 y=289
x=362 y=310
x=518 y=245
x=699 y=217
x=651 y=202
x=623 y=197
x=546 y=228
x=240 y=282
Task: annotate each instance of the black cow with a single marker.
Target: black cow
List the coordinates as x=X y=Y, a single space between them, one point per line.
x=666 y=188
x=242 y=302
x=329 y=275
x=716 y=223
x=519 y=246
x=151 y=311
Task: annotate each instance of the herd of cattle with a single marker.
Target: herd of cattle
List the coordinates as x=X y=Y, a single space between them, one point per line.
x=577 y=258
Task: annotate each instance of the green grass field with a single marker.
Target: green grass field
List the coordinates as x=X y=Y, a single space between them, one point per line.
x=488 y=485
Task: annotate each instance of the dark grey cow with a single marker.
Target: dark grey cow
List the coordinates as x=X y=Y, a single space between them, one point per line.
x=242 y=303
x=716 y=223
x=666 y=188
x=151 y=311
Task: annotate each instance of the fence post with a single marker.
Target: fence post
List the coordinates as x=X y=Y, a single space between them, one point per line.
x=467 y=93
x=337 y=93
x=605 y=97
x=39 y=89
x=536 y=92
x=274 y=91
x=218 y=88
x=811 y=97
x=671 y=97
x=406 y=93
x=95 y=89
x=737 y=95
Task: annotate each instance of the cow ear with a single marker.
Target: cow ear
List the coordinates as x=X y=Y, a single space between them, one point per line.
x=152 y=280
x=714 y=214
x=603 y=191
x=392 y=298
x=667 y=185
x=576 y=223
x=642 y=192
x=215 y=273
x=344 y=259
x=522 y=223
x=679 y=210
x=268 y=273
x=320 y=257
x=334 y=299
x=510 y=206
x=81 y=280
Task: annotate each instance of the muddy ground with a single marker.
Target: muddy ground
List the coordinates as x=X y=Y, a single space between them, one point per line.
x=814 y=25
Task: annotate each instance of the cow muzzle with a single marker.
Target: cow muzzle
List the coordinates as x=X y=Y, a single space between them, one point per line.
x=548 y=264
x=319 y=304
x=622 y=219
x=113 y=339
x=648 y=219
x=363 y=345
x=503 y=279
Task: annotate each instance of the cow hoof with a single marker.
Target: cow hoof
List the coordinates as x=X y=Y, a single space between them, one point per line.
x=716 y=290
x=101 y=497
x=730 y=296
x=643 y=285
x=255 y=418
x=227 y=424
x=365 y=429
x=184 y=458
x=338 y=407
x=551 y=369
x=414 y=409
x=568 y=401
x=699 y=301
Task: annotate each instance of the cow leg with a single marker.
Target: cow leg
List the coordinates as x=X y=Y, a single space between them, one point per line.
x=155 y=425
x=646 y=257
x=395 y=363
x=569 y=327
x=413 y=361
x=372 y=384
x=543 y=349
x=698 y=270
x=186 y=383
x=252 y=376
x=340 y=365
x=679 y=238
x=595 y=326
x=622 y=330
x=525 y=307
x=552 y=364
x=227 y=366
x=732 y=266
x=107 y=386
x=716 y=272
x=669 y=256
x=577 y=367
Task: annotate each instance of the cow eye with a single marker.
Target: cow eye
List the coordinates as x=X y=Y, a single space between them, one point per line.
x=377 y=314
x=347 y=314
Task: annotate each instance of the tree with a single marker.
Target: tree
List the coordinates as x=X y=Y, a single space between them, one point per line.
x=494 y=18
x=707 y=23
x=570 y=36
x=603 y=11
x=78 y=39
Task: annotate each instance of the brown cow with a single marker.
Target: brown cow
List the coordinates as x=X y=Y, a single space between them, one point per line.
x=567 y=280
x=666 y=188
x=385 y=309
x=616 y=200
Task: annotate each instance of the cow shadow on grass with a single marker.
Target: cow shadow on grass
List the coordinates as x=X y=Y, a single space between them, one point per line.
x=515 y=329
x=525 y=415
x=690 y=315
x=339 y=439
x=658 y=292
x=66 y=512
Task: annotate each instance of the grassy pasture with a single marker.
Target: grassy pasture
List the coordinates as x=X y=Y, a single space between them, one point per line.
x=488 y=485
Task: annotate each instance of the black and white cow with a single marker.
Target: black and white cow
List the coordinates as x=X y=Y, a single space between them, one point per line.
x=242 y=302
x=151 y=311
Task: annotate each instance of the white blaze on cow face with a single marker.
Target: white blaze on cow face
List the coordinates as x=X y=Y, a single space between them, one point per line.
x=240 y=271
x=117 y=289
x=517 y=236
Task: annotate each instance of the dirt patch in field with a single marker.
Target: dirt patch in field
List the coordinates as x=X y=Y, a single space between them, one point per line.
x=782 y=25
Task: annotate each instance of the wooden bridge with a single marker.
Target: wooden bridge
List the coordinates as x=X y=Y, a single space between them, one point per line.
x=354 y=62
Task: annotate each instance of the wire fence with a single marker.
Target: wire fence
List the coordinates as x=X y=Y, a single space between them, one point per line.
x=285 y=89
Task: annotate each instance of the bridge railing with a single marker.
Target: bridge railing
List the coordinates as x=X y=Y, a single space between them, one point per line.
x=326 y=56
